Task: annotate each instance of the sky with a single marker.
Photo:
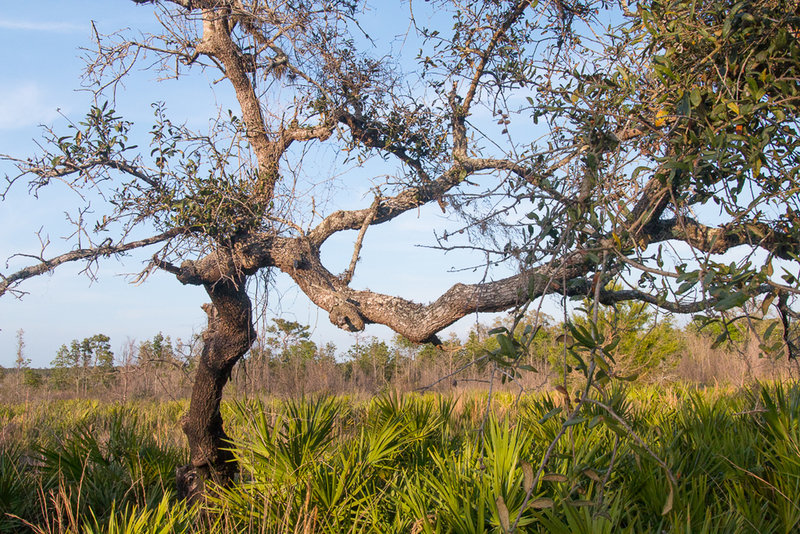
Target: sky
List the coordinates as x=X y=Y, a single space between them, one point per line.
x=40 y=52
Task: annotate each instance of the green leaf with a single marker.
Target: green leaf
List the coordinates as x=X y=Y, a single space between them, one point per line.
x=608 y=349
x=686 y=286
x=507 y=346
x=575 y=421
x=770 y=329
x=628 y=378
x=582 y=335
x=597 y=337
x=581 y=364
x=731 y=300
x=527 y=330
x=720 y=339
x=695 y=97
x=551 y=413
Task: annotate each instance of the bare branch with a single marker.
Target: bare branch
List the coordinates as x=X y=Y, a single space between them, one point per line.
x=347 y=276
x=47 y=265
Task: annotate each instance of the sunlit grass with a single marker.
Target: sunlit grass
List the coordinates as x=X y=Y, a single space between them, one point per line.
x=416 y=463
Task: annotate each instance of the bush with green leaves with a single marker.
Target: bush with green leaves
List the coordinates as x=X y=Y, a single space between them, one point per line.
x=647 y=341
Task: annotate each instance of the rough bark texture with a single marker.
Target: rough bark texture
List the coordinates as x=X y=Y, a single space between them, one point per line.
x=228 y=336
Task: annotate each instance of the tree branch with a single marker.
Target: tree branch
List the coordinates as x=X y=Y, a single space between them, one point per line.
x=486 y=54
x=217 y=42
x=348 y=274
x=716 y=240
x=47 y=265
x=414 y=197
x=609 y=297
x=352 y=309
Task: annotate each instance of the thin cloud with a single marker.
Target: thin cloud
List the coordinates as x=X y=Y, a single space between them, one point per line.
x=38 y=26
x=24 y=105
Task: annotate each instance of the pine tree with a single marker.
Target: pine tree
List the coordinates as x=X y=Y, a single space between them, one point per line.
x=21 y=362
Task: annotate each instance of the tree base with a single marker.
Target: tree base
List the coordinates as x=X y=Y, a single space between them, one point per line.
x=189 y=484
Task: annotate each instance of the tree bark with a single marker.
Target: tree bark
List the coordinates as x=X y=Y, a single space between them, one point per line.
x=228 y=336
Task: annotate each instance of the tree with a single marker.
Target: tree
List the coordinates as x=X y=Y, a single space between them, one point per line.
x=290 y=341
x=645 y=340
x=31 y=378
x=86 y=361
x=21 y=363
x=65 y=366
x=103 y=358
x=157 y=352
x=25 y=375
x=676 y=126
x=288 y=345
x=373 y=359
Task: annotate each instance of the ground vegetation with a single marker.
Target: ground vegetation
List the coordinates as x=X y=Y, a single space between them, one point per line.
x=635 y=145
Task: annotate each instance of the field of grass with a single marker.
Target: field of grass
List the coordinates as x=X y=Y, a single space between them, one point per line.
x=418 y=464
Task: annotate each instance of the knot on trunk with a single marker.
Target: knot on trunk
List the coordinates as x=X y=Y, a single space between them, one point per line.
x=190 y=480
x=211 y=327
x=345 y=315
x=189 y=484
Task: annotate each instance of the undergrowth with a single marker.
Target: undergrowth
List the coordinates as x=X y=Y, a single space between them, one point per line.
x=418 y=463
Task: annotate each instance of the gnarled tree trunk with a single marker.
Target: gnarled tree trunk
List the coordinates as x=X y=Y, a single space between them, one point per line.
x=228 y=336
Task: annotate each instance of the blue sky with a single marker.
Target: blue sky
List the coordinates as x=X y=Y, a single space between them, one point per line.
x=40 y=53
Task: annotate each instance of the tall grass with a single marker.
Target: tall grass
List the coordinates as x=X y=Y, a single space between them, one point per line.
x=64 y=462
x=419 y=463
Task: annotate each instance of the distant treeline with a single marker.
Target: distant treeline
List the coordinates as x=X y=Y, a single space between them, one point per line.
x=284 y=360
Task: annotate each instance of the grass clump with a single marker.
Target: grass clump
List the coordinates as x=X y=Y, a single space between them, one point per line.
x=422 y=463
